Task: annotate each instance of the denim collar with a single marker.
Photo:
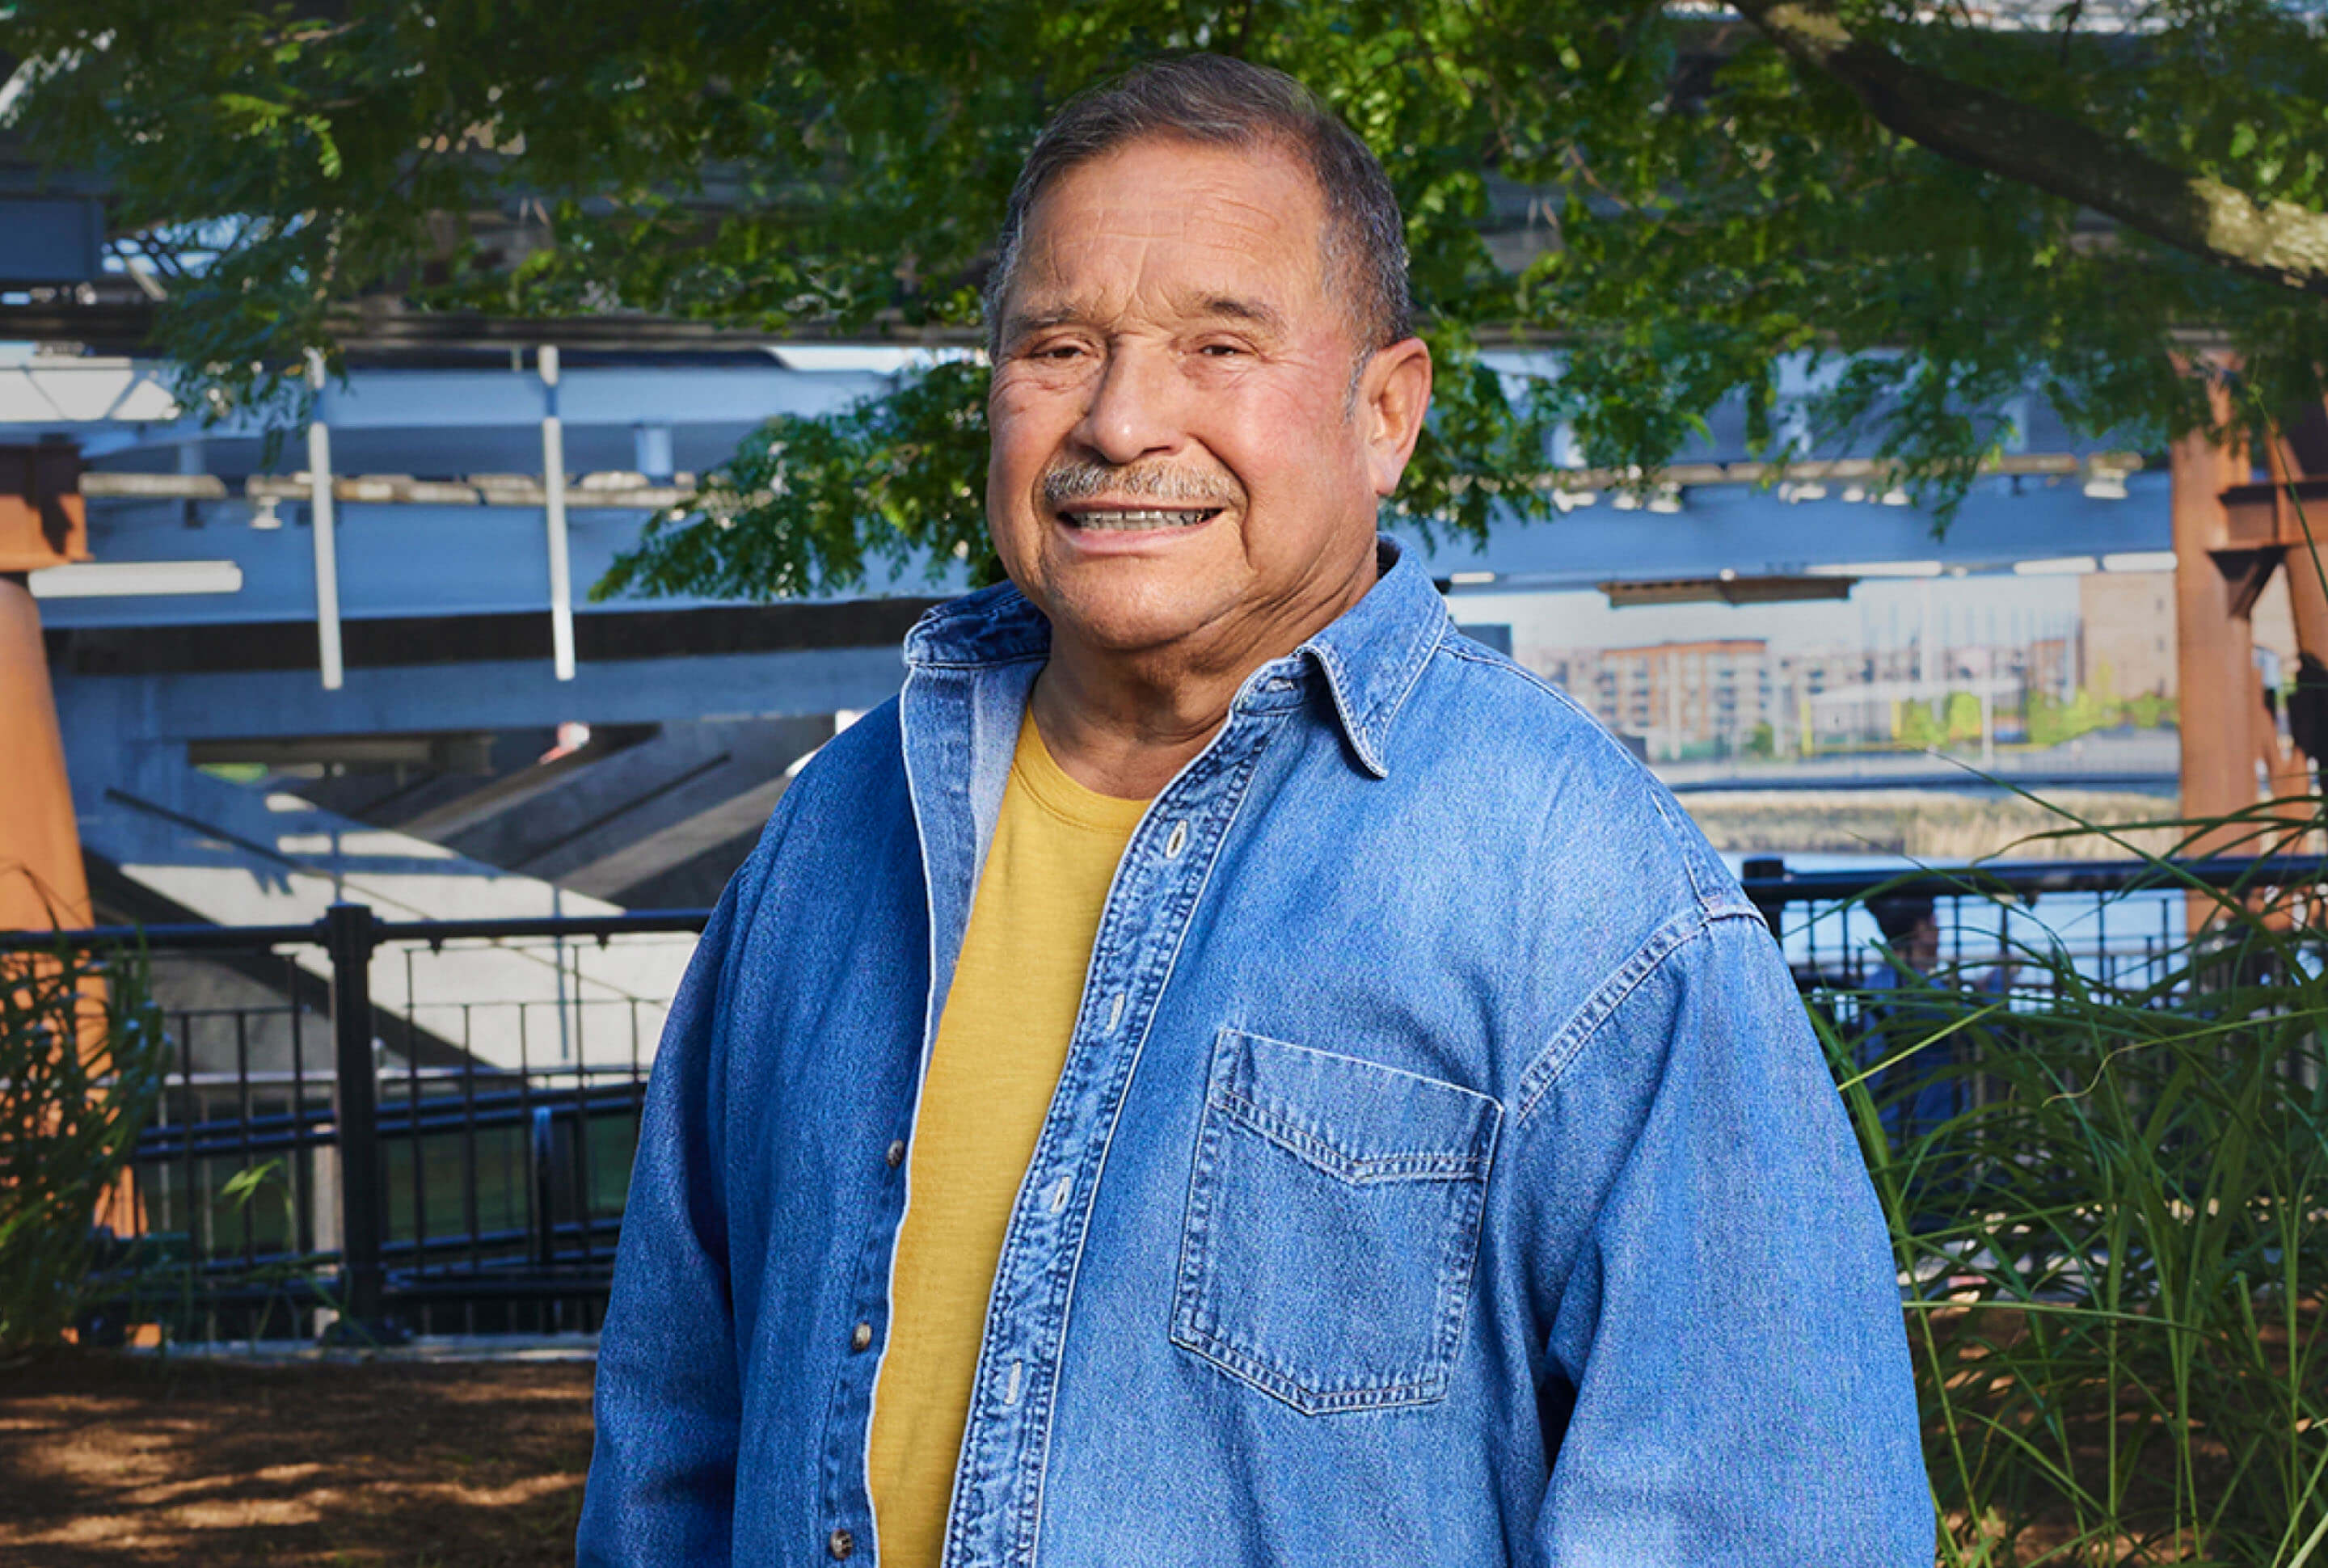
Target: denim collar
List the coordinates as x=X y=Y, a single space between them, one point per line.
x=1370 y=657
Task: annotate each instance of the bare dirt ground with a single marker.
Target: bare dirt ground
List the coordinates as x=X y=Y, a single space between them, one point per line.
x=114 y=1460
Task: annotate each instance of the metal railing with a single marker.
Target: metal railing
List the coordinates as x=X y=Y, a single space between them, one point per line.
x=432 y=1158
x=2124 y=924
x=459 y=1161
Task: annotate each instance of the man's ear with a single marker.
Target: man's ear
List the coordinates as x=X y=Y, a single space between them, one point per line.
x=1393 y=394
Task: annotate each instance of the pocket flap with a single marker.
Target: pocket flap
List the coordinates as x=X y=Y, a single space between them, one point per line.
x=1356 y=1120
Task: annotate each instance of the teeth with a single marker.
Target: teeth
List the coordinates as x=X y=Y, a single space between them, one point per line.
x=1139 y=520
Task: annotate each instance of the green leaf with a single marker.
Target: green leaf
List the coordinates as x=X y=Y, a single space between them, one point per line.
x=244 y=1184
x=327 y=151
x=1664 y=200
x=256 y=109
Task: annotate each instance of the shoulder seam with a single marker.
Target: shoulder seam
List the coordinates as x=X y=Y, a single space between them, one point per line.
x=1660 y=797
x=1570 y=1039
x=1488 y=658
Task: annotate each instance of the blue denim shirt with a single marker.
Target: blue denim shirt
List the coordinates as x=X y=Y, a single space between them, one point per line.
x=1442 y=1169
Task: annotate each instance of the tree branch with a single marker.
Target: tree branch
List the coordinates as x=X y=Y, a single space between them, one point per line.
x=2278 y=242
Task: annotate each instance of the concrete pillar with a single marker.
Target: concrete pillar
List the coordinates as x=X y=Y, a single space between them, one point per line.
x=650 y=448
x=553 y=493
x=323 y=534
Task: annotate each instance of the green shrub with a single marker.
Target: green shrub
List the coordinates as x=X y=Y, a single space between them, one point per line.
x=1960 y=716
x=1918 y=727
x=2050 y=721
x=81 y=1055
x=2119 y=1239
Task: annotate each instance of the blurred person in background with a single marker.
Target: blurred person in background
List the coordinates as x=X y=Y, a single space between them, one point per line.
x=1918 y=1031
x=1909 y=1079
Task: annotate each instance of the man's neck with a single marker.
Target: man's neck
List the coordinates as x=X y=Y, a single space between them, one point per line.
x=1125 y=736
x=1125 y=724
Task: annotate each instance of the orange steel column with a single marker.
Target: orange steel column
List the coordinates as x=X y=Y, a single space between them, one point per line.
x=2307 y=594
x=2215 y=641
x=2306 y=599
x=2305 y=525
x=42 y=883
x=2287 y=775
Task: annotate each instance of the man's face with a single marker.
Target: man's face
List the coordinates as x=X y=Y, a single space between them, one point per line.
x=1176 y=465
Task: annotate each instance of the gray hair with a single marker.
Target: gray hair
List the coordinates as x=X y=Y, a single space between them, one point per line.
x=1217 y=101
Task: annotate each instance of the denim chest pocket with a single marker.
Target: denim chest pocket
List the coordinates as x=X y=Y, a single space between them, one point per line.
x=1332 y=1223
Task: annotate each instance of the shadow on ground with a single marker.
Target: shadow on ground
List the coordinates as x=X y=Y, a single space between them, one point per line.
x=110 y=1460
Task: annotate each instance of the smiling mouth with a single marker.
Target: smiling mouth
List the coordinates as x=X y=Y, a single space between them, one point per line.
x=1117 y=521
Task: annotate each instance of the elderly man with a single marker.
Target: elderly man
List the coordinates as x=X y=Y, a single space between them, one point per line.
x=1224 y=1070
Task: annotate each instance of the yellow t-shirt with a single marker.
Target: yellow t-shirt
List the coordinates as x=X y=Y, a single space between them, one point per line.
x=1001 y=1042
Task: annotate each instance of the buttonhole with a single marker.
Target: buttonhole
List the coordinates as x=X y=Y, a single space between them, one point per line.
x=1010 y=1388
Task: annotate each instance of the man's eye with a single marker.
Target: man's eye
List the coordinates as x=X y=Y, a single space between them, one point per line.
x=1057 y=352
x=1221 y=351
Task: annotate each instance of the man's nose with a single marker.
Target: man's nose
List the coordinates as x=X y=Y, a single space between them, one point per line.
x=1136 y=408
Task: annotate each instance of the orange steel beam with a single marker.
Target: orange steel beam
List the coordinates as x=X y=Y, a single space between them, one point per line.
x=41 y=519
x=41 y=524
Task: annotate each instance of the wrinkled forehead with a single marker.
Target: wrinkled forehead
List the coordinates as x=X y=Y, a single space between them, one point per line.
x=1174 y=225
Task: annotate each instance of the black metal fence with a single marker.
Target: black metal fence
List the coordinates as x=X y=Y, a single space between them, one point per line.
x=2123 y=924
x=2111 y=915
x=452 y=1156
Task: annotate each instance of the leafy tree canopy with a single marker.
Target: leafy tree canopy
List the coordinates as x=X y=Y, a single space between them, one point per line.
x=1934 y=209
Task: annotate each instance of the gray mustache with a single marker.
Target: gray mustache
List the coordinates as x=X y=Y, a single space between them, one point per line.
x=1072 y=480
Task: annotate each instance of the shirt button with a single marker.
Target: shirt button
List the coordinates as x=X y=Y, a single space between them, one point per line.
x=840 y=1543
x=897 y=1155
x=861 y=1337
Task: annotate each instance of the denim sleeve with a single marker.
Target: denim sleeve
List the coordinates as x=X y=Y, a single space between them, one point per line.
x=668 y=1403
x=1728 y=1347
